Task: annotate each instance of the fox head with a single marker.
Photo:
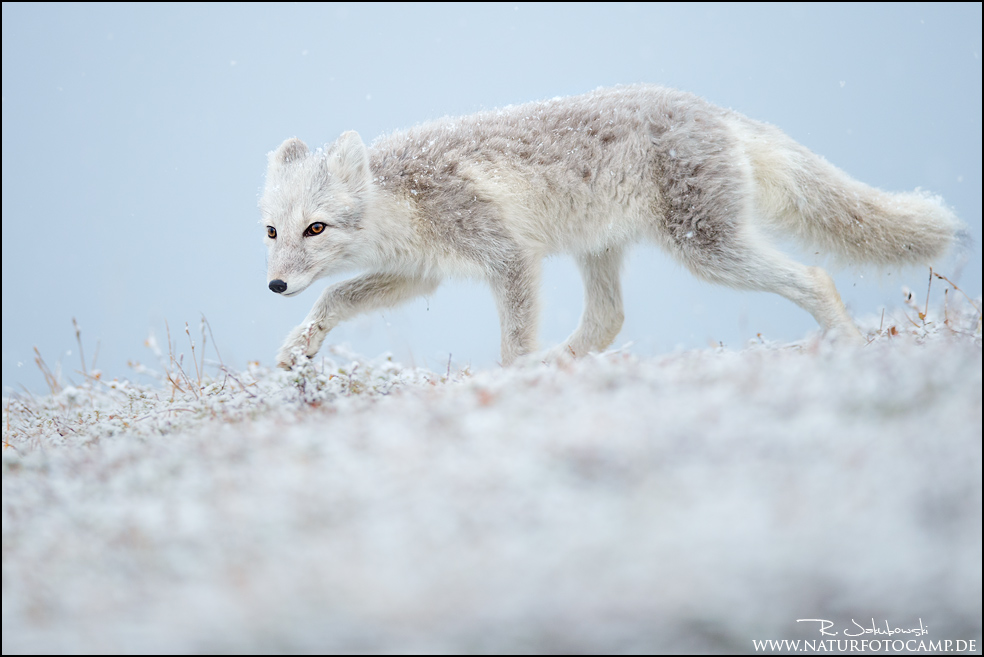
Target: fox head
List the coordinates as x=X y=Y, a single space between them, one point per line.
x=312 y=211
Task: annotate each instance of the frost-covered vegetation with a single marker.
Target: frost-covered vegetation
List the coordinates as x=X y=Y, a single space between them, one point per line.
x=690 y=502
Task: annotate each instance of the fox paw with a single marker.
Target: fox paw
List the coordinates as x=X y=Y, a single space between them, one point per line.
x=303 y=342
x=847 y=335
x=562 y=353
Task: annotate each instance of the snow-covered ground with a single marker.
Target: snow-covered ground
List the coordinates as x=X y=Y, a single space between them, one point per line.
x=690 y=502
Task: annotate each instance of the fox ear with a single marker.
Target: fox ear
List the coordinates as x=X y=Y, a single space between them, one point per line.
x=350 y=161
x=291 y=150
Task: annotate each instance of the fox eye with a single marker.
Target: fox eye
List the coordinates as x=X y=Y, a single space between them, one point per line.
x=271 y=232
x=314 y=229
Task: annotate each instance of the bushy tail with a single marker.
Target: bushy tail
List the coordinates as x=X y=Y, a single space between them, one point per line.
x=802 y=194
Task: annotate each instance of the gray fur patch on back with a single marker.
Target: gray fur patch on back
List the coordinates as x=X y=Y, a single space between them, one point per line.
x=584 y=158
x=701 y=187
x=448 y=209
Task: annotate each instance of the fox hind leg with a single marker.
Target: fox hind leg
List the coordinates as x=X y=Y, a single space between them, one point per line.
x=748 y=261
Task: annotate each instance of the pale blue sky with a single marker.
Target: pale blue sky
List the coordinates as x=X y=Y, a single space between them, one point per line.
x=135 y=141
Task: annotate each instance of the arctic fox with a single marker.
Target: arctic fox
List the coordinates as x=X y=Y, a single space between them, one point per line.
x=490 y=194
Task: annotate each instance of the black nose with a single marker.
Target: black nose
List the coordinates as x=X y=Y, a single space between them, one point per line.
x=278 y=286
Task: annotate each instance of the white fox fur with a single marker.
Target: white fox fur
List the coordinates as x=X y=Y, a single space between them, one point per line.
x=490 y=194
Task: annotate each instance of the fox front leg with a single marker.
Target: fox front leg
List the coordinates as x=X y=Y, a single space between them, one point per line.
x=344 y=301
x=305 y=340
x=515 y=286
x=603 y=316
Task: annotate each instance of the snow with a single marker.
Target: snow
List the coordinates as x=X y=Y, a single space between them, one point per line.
x=612 y=504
